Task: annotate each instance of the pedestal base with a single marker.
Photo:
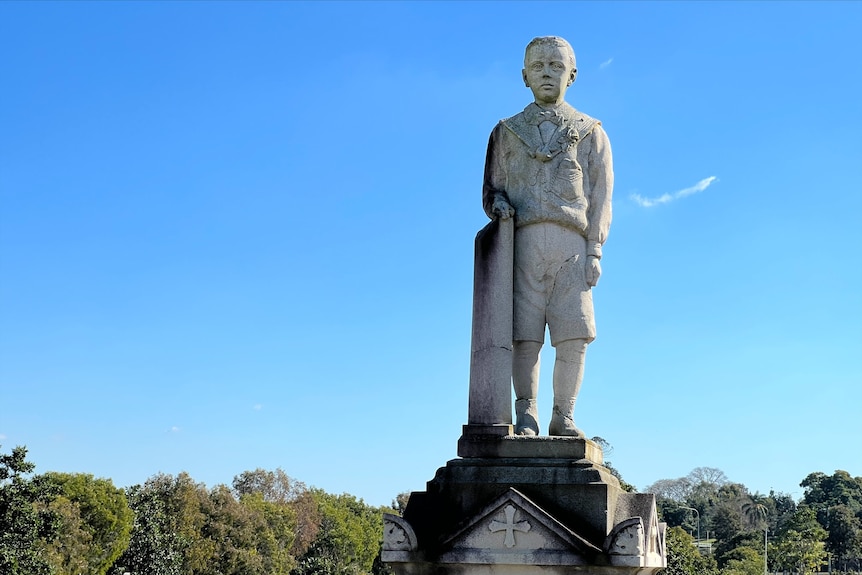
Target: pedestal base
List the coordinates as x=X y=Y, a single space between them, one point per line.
x=500 y=510
x=486 y=441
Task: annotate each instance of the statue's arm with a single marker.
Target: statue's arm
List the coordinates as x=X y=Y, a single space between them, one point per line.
x=601 y=170
x=495 y=201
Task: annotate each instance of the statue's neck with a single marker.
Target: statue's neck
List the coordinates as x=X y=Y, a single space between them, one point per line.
x=555 y=106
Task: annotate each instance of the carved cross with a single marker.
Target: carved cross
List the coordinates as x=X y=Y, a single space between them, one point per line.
x=509 y=526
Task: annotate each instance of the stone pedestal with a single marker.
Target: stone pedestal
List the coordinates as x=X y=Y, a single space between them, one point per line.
x=525 y=505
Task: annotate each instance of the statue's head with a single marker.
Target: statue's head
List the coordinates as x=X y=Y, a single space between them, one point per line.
x=549 y=68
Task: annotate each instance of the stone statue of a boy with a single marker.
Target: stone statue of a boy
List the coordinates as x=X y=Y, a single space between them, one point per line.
x=550 y=168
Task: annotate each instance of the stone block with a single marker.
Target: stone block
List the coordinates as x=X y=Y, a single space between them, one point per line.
x=481 y=442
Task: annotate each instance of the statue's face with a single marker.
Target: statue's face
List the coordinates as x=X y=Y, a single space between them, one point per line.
x=548 y=73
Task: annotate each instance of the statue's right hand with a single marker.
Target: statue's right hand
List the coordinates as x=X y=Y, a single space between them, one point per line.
x=502 y=209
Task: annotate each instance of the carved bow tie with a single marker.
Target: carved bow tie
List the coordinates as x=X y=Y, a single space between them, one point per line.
x=549 y=116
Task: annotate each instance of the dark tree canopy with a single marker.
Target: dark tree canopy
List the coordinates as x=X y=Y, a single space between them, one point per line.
x=24 y=516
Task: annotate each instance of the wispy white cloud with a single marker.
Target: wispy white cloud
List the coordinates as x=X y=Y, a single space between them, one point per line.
x=667 y=198
x=174 y=429
x=257 y=406
x=2 y=436
x=606 y=63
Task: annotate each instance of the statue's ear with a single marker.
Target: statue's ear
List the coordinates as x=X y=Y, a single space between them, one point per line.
x=573 y=76
x=524 y=76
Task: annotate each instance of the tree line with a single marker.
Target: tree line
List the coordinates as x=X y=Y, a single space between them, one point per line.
x=717 y=527
x=267 y=523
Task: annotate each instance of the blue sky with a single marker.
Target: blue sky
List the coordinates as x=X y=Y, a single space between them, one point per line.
x=239 y=235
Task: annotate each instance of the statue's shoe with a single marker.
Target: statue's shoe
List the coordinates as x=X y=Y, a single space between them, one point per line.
x=526 y=417
x=564 y=425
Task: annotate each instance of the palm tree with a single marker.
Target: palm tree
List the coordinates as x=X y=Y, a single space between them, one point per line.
x=755 y=511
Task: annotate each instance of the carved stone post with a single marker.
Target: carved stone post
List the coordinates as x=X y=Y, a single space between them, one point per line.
x=490 y=409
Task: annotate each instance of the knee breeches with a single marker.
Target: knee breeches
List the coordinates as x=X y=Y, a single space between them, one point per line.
x=550 y=286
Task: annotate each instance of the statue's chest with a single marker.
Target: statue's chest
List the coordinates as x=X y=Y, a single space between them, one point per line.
x=554 y=174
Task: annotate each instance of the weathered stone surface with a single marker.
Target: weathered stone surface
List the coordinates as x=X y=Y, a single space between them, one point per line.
x=549 y=168
x=515 y=530
x=475 y=443
x=544 y=515
x=561 y=487
x=491 y=347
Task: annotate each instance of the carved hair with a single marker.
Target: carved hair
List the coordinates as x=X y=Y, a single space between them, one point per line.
x=552 y=41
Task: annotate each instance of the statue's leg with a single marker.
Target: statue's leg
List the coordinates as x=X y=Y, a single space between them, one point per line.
x=568 y=375
x=525 y=380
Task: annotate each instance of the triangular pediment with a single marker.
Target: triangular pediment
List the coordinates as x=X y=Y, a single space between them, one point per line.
x=512 y=529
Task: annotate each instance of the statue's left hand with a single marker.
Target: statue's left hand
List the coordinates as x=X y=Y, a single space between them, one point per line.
x=594 y=270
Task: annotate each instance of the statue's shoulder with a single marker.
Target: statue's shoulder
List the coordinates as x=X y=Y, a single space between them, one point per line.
x=517 y=125
x=520 y=117
x=583 y=123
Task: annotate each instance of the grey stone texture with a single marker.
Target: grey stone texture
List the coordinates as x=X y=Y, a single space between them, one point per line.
x=491 y=345
x=473 y=443
x=519 y=514
x=549 y=168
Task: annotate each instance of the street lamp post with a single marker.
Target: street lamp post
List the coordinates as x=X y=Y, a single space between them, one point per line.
x=698 y=523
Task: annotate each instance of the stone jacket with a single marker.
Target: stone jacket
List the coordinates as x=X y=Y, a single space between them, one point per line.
x=560 y=173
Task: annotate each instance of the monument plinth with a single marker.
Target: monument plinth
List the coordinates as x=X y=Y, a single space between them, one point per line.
x=556 y=510
x=515 y=502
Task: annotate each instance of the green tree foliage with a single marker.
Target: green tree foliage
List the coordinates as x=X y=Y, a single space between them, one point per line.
x=683 y=557
x=275 y=534
x=278 y=488
x=800 y=545
x=236 y=534
x=156 y=546
x=183 y=528
x=837 y=501
x=704 y=489
x=187 y=529
x=823 y=491
x=400 y=502
x=737 y=548
x=755 y=510
x=349 y=538
x=844 y=540
x=97 y=523
x=726 y=523
x=274 y=486
x=746 y=561
x=24 y=516
x=733 y=518
x=780 y=507
x=67 y=553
